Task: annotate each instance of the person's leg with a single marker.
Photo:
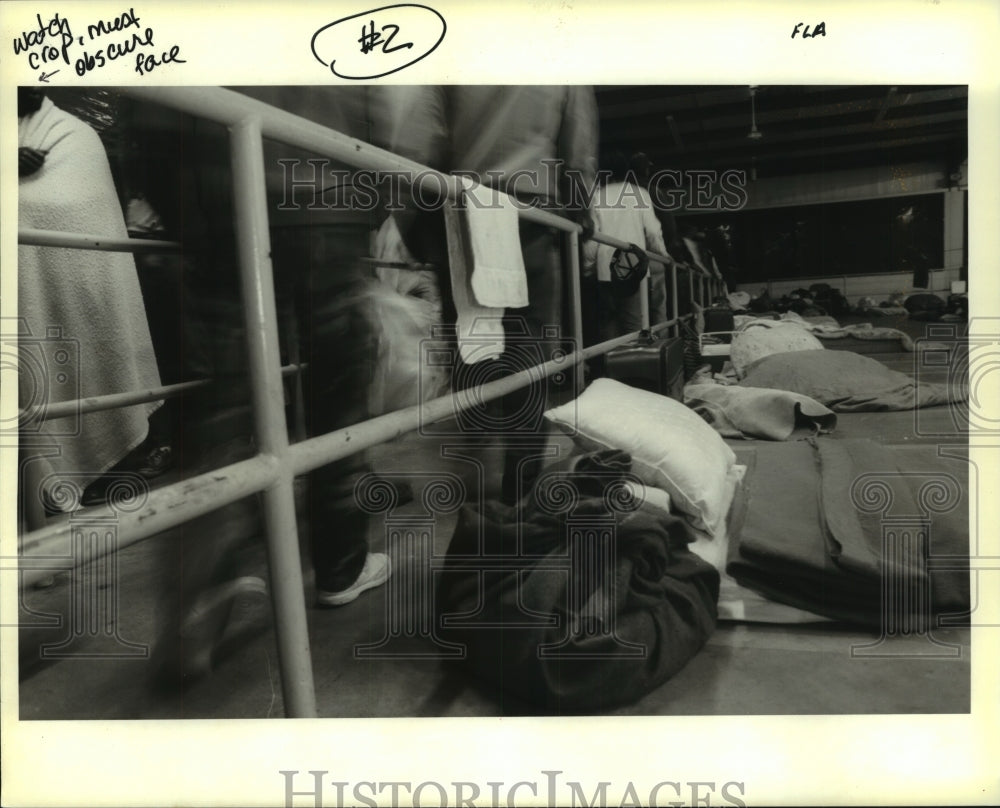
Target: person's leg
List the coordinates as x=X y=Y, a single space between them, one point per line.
x=629 y=313
x=202 y=561
x=657 y=293
x=608 y=311
x=339 y=358
x=338 y=343
x=531 y=337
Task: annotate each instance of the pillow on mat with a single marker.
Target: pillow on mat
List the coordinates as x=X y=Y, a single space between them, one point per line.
x=671 y=445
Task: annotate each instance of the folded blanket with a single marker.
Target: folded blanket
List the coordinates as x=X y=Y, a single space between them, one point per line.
x=749 y=412
x=863 y=331
x=848 y=382
x=830 y=526
x=736 y=602
x=828 y=328
x=86 y=301
x=552 y=608
x=767 y=337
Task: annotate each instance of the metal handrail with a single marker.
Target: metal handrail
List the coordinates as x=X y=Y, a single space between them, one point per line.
x=163 y=511
x=272 y=470
x=113 y=401
x=229 y=108
x=83 y=241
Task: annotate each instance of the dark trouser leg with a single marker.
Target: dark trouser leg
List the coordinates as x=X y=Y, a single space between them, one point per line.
x=341 y=353
x=515 y=422
x=542 y=319
x=620 y=315
x=338 y=343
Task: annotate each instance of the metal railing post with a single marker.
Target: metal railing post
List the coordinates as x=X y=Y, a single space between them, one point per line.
x=644 y=301
x=270 y=429
x=674 y=303
x=576 y=306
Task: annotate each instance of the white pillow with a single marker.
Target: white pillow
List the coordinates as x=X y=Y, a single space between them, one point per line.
x=671 y=446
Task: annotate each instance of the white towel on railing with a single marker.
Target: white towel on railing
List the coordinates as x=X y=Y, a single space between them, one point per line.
x=83 y=302
x=487 y=268
x=486 y=322
x=498 y=276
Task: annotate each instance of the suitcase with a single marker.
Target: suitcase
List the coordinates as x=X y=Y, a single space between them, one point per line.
x=719 y=319
x=650 y=363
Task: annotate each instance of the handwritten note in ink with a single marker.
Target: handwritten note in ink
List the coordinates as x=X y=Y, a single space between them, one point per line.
x=376 y=43
x=97 y=43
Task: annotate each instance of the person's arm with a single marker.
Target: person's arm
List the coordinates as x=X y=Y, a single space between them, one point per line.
x=29 y=161
x=651 y=226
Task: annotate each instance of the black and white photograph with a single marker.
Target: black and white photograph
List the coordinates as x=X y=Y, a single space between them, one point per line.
x=455 y=416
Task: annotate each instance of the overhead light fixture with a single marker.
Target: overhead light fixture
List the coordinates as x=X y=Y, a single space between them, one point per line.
x=755 y=133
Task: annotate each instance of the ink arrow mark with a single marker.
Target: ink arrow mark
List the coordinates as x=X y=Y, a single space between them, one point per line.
x=46 y=76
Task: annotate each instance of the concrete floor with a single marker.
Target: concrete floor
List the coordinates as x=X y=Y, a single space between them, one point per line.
x=745 y=668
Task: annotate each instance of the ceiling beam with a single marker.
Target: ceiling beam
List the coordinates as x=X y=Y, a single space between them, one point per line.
x=743 y=159
x=737 y=136
x=770 y=114
x=674 y=98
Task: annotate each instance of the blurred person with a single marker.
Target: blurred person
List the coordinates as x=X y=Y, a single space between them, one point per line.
x=326 y=321
x=90 y=300
x=535 y=143
x=317 y=249
x=624 y=209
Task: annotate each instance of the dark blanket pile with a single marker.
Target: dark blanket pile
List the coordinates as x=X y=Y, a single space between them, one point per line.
x=848 y=382
x=571 y=624
x=824 y=519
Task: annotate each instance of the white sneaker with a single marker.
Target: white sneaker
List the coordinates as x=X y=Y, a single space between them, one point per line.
x=376 y=572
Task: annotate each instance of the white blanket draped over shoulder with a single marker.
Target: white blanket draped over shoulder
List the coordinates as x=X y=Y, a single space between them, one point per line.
x=88 y=301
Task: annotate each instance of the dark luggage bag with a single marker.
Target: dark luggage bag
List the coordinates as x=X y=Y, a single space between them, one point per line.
x=718 y=319
x=650 y=363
